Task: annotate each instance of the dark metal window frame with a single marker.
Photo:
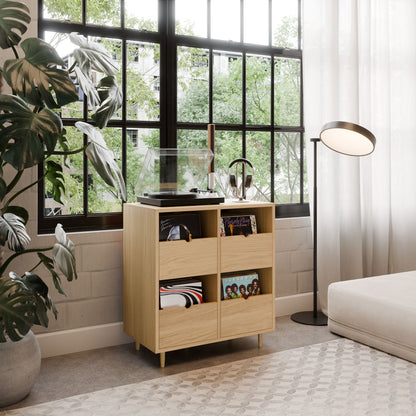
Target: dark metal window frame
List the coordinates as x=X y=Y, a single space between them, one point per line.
x=169 y=43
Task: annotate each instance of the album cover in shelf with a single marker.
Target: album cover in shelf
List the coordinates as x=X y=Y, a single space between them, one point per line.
x=180 y=292
x=179 y=227
x=240 y=285
x=238 y=225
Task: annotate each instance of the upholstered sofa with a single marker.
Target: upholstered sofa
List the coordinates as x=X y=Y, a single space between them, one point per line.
x=378 y=311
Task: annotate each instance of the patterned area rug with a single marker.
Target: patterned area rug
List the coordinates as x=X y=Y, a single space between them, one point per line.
x=339 y=377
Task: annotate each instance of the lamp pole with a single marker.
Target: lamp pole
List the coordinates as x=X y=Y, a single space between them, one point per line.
x=313 y=317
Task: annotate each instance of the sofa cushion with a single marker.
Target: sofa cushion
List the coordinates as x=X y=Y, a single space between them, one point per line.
x=378 y=311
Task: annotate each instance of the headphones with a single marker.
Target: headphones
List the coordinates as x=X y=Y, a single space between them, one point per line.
x=247 y=179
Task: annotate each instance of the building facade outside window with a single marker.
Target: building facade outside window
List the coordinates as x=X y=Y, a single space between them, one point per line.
x=185 y=64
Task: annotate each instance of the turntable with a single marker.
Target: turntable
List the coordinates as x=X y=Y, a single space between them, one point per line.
x=176 y=177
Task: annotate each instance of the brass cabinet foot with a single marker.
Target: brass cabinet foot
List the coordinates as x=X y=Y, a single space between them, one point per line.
x=260 y=340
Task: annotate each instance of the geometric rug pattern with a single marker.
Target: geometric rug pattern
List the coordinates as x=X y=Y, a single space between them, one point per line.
x=335 y=378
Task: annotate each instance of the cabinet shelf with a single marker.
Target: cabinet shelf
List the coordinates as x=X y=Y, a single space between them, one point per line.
x=147 y=262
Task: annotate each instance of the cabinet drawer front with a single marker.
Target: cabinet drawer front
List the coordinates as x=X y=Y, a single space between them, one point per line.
x=184 y=259
x=180 y=327
x=243 y=316
x=251 y=252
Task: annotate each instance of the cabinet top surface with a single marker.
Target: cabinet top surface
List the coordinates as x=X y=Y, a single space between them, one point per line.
x=228 y=204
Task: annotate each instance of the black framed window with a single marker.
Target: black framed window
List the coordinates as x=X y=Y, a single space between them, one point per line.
x=185 y=64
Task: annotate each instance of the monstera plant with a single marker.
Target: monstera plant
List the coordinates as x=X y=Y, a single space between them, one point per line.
x=32 y=133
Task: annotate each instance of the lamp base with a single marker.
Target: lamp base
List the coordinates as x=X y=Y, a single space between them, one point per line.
x=310 y=318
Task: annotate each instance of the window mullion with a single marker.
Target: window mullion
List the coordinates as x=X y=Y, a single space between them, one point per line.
x=85 y=162
x=272 y=132
x=244 y=100
x=270 y=22
x=122 y=14
x=210 y=85
x=84 y=12
x=168 y=76
x=124 y=105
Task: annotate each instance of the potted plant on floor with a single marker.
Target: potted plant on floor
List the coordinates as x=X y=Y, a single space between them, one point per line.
x=31 y=133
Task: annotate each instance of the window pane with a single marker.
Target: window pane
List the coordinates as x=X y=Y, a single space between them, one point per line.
x=113 y=48
x=256 y=21
x=258 y=94
x=64 y=47
x=101 y=197
x=191 y=17
x=141 y=14
x=103 y=12
x=192 y=139
x=52 y=9
x=228 y=87
x=287 y=84
x=228 y=146
x=225 y=20
x=287 y=168
x=73 y=174
x=285 y=23
x=193 y=97
x=137 y=143
x=143 y=81
x=258 y=149
x=192 y=176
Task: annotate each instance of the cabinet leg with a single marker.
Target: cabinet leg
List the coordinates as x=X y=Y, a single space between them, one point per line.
x=162 y=359
x=137 y=346
x=260 y=340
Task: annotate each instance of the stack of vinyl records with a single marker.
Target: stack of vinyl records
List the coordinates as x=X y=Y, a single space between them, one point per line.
x=180 y=292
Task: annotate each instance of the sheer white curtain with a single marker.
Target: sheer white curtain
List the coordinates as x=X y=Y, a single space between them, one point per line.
x=360 y=66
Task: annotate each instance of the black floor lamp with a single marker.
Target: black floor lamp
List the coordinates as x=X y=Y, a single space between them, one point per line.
x=348 y=139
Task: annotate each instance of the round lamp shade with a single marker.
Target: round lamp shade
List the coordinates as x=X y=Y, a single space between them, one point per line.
x=348 y=138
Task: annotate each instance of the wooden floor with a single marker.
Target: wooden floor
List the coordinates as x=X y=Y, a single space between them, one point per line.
x=89 y=371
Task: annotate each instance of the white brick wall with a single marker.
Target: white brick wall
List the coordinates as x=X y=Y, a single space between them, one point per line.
x=294 y=256
x=96 y=297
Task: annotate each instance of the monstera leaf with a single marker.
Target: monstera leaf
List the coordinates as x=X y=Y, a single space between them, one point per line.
x=54 y=174
x=13 y=230
x=16 y=309
x=87 y=87
x=64 y=254
x=43 y=301
x=3 y=189
x=23 y=131
x=92 y=56
x=19 y=211
x=102 y=159
x=36 y=78
x=12 y=14
x=49 y=264
x=111 y=97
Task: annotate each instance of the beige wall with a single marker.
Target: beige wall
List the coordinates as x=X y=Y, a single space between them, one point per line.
x=96 y=297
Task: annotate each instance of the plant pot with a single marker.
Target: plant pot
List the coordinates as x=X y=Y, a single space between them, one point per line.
x=19 y=368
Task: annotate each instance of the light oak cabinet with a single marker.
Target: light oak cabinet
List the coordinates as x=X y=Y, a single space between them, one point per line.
x=147 y=262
